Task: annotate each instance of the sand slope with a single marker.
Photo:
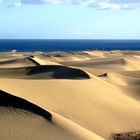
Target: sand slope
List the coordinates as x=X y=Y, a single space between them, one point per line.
x=21 y=119
x=95 y=95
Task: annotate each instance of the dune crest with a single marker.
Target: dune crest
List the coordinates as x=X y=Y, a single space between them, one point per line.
x=8 y=100
x=43 y=72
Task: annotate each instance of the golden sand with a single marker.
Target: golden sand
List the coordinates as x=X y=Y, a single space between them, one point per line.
x=92 y=95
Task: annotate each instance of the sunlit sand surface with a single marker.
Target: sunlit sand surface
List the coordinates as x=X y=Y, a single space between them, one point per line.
x=90 y=95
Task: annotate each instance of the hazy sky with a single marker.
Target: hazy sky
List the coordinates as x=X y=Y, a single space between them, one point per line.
x=70 y=19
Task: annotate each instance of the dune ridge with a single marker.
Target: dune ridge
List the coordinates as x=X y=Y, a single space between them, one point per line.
x=13 y=105
x=16 y=102
x=43 y=72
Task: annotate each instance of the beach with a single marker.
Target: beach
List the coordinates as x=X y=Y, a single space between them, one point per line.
x=83 y=95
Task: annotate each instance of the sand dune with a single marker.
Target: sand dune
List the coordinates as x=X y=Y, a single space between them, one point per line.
x=8 y=100
x=70 y=95
x=20 y=124
x=103 y=101
x=104 y=64
x=127 y=81
x=35 y=120
x=128 y=77
x=17 y=62
x=43 y=72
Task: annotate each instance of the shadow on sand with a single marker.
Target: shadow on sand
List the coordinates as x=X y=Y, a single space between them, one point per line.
x=8 y=100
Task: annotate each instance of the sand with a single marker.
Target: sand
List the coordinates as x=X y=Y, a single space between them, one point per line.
x=91 y=95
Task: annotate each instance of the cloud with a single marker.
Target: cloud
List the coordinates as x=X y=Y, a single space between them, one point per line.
x=98 y=4
x=34 y=1
x=104 y=5
x=115 y=4
x=45 y=1
x=17 y=4
x=125 y=1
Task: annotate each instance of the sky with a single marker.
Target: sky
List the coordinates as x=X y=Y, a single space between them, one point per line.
x=69 y=19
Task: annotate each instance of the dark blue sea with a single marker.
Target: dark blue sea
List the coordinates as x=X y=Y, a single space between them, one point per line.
x=68 y=45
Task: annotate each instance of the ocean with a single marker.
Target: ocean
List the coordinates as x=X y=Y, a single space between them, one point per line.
x=68 y=45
